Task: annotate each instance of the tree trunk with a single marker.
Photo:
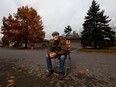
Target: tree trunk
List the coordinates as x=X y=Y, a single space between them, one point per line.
x=95 y=45
x=26 y=41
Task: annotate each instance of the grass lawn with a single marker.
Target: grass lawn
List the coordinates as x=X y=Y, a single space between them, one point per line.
x=102 y=50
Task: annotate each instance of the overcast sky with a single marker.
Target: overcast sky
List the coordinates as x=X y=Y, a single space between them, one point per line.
x=57 y=14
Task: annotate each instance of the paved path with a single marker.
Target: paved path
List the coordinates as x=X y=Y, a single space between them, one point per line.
x=27 y=68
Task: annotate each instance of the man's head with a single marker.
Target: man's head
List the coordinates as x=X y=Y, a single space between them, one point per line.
x=55 y=35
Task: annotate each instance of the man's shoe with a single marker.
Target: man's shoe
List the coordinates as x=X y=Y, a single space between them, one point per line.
x=49 y=73
x=60 y=76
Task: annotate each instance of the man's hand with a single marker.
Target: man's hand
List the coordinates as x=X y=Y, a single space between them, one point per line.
x=52 y=54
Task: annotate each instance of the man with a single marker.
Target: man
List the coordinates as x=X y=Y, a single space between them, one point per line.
x=56 y=49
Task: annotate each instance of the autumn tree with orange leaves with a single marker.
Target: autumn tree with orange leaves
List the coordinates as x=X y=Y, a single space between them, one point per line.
x=23 y=27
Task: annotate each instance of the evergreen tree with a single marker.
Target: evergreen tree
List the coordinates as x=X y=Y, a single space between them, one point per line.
x=67 y=30
x=97 y=32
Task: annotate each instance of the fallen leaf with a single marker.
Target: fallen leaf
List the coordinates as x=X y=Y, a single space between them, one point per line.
x=11 y=82
x=12 y=77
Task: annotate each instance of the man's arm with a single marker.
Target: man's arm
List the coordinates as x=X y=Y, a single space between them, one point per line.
x=63 y=48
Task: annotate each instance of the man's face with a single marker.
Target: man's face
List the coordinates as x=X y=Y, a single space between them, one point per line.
x=55 y=37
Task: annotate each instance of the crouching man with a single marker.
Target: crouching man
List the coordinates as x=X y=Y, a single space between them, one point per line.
x=56 y=49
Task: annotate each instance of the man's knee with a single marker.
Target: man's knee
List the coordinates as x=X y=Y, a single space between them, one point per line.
x=47 y=56
x=62 y=57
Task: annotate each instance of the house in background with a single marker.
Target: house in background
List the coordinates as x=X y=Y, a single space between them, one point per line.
x=75 y=40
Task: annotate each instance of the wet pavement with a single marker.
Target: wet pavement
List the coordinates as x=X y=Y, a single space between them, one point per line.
x=27 y=68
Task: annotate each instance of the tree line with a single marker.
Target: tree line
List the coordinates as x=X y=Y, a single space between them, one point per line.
x=26 y=26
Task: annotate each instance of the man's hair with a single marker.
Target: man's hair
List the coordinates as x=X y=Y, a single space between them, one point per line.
x=55 y=33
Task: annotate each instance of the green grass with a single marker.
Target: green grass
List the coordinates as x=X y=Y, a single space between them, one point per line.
x=102 y=50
